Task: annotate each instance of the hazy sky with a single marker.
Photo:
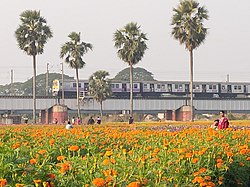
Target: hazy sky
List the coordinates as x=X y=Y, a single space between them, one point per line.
x=225 y=51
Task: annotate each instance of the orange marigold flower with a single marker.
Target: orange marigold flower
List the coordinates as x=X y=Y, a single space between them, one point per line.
x=51 y=142
x=113 y=161
x=198 y=179
x=219 y=160
x=52 y=176
x=37 y=182
x=203 y=184
x=99 y=182
x=48 y=184
x=194 y=160
x=189 y=155
x=19 y=185
x=243 y=151
x=3 y=182
x=74 y=148
x=16 y=145
x=230 y=154
x=196 y=173
x=241 y=164
x=105 y=162
x=219 y=165
x=108 y=153
x=211 y=184
x=134 y=184
x=33 y=161
x=202 y=170
x=60 y=158
x=109 y=179
x=41 y=152
x=248 y=158
x=208 y=178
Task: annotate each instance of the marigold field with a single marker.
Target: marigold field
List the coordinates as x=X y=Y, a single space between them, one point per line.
x=122 y=155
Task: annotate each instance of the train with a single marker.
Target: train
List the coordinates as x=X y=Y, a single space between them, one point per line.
x=159 y=89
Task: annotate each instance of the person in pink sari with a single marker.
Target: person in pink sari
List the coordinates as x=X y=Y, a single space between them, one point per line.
x=223 y=122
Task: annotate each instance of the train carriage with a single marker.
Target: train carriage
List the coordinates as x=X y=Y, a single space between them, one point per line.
x=158 y=89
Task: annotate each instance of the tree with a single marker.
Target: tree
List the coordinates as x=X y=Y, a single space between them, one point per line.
x=139 y=74
x=73 y=51
x=32 y=34
x=131 y=45
x=99 y=87
x=189 y=30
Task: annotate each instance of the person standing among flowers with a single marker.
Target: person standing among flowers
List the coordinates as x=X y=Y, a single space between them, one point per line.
x=223 y=121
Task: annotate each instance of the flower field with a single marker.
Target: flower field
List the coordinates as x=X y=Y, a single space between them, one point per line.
x=132 y=156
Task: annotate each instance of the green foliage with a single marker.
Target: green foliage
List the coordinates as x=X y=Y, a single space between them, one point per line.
x=139 y=74
x=74 y=50
x=131 y=43
x=99 y=86
x=187 y=24
x=33 y=32
x=25 y=88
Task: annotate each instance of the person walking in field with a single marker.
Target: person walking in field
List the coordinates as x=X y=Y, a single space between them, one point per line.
x=223 y=121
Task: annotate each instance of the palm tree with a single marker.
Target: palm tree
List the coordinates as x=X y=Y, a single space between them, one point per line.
x=189 y=30
x=73 y=52
x=99 y=87
x=131 y=45
x=32 y=34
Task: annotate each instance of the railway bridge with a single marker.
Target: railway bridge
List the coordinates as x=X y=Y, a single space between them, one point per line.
x=21 y=104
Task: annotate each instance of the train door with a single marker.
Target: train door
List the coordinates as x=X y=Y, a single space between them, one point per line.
x=203 y=88
x=245 y=89
x=186 y=88
x=229 y=88
x=124 y=87
x=170 y=87
x=152 y=87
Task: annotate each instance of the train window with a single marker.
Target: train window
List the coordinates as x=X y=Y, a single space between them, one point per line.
x=210 y=87
x=176 y=86
x=163 y=86
x=235 y=87
x=145 y=86
x=193 y=86
x=158 y=86
x=239 y=87
x=214 y=86
x=180 y=86
x=79 y=85
x=197 y=86
x=116 y=85
x=135 y=86
x=112 y=85
x=223 y=87
x=74 y=85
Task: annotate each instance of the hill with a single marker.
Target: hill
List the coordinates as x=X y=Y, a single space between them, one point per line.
x=25 y=88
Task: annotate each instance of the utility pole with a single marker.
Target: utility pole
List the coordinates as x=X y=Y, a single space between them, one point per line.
x=11 y=82
x=227 y=77
x=47 y=80
x=62 y=86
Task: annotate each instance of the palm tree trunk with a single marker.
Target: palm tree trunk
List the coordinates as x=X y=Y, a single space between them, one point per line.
x=131 y=89
x=77 y=93
x=191 y=85
x=34 y=89
x=101 y=108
